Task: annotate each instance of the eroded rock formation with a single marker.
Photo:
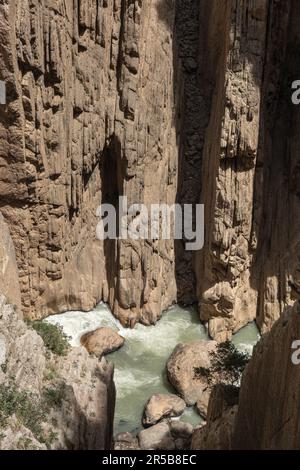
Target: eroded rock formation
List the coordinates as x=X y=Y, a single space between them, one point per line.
x=248 y=268
x=160 y=101
x=89 y=117
x=268 y=413
x=264 y=414
x=74 y=395
x=9 y=275
x=47 y=400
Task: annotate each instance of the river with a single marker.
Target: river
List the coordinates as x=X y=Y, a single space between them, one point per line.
x=140 y=364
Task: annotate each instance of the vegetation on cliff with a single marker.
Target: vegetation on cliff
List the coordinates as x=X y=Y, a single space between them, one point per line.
x=227 y=365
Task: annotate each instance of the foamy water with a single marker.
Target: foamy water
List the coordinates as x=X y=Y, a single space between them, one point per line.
x=140 y=365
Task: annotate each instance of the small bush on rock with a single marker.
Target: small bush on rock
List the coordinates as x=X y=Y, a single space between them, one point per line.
x=24 y=405
x=227 y=365
x=53 y=336
x=53 y=396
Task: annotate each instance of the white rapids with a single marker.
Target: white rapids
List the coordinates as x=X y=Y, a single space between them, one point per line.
x=140 y=363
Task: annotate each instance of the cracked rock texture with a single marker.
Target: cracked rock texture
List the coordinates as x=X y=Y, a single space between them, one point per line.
x=268 y=413
x=81 y=390
x=9 y=276
x=264 y=413
x=160 y=101
x=89 y=117
x=249 y=267
x=82 y=418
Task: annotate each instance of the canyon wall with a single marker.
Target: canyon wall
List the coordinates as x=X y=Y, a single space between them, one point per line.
x=249 y=267
x=90 y=116
x=161 y=101
x=48 y=399
x=264 y=413
x=267 y=416
x=9 y=275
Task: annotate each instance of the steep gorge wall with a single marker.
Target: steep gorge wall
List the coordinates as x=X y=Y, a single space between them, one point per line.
x=249 y=267
x=227 y=298
x=278 y=181
x=264 y=413
x=81 y=415
x=268 y=412
x=89 y=117
x=161 y=101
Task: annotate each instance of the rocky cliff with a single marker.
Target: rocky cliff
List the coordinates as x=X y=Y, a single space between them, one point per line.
x=268 y=412
x=248 y=268
x=90 y=116
x=161 y=101
x=264 y=414
x=47 y=400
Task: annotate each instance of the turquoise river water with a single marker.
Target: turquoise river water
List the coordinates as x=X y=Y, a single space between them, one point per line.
x=140 y=365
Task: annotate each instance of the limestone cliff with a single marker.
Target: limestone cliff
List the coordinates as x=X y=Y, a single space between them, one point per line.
x=89 y=116
x=266 y=414
x=58 y=402
x=47 y=400
x=161 y=101
x=9 y=275
x=248 y=268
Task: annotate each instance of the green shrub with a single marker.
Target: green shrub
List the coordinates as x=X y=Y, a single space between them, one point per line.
x=53 y=336
x=50 y=372
x=24 y=405
x=53 y=396
x=25 y=443
x=227 y=365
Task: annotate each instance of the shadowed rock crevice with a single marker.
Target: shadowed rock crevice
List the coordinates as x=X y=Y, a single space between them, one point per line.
x=162 y=101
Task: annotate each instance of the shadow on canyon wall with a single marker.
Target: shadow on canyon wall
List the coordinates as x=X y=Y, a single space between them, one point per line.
x=190 y=120
x=276 y=184
x=277 y=178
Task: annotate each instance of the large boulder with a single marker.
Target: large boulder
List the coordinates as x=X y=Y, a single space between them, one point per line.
x=162 y=406
x=102 y=341
x=126 y=441
x=157 y=437
x=167 y=435
x=181 y=370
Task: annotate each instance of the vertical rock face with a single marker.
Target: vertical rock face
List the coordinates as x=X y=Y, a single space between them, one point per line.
x=59 y=401
x=89 y=117
x=227 y=297
x=277 y=181
x=264 y=414
x=217 y=433
x=160 y=101
x=249 y=267
x=268 y=414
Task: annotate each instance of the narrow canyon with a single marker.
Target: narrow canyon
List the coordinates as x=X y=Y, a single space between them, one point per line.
x=163 y=102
